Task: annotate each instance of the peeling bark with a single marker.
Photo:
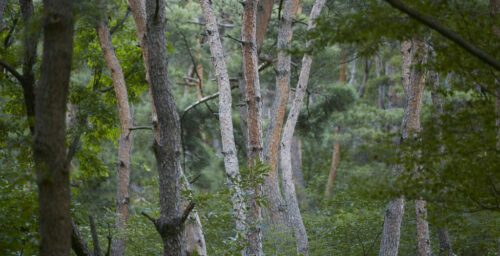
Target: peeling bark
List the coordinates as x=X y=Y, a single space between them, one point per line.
x=225 y=116
x=49 y=146
x=293 y=210
x=126 y=136
x=277 y=205
x=254 y=119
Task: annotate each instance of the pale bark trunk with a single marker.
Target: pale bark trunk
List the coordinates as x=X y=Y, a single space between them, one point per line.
x=333 y=167
x=424 y=242
x=298 y=177
x=293 y=210
x=413 y=53
x=277 y=206
x=391 y=233
x=225 y=117
x=342 y=68
x=353 y=70
x=254 y=119
x=125 y=141
x=361 y=91
x=193 y=229
x=49 y=145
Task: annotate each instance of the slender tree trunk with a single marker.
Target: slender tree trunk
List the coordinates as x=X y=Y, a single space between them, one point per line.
x=333 y=167
x=293 y=210
x=353 y=70
x=3 y=4
x=277 y=206
x=193 y=229
x=424 y=242
x=225 y=117
x=254 y=119
x=49 y=146
x=361 y=91
x=264 y=11
x=126 y=136
x=413 y=53
x=167 y=149
x=298 y=177
x=342 y=68
x=445 y=248
x=30 y=42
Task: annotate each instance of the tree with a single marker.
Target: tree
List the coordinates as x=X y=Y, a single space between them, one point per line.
x=49 y=146
x=126 y=135
x=293 y=210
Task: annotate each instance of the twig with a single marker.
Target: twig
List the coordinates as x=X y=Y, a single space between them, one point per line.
x=149 y=218
x=13 y=71
x=121 y=22
x=140 y=128
x=187 y=211
x=196 y=178
x=202 y=100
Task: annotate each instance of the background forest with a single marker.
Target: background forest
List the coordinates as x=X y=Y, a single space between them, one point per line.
x=387 y=144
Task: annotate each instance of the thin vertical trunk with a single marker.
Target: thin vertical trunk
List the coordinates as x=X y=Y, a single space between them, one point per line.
x=167 y=148
x=264 y=11
x=293 y=210
x=361 y=90
x=254 y=118
x=125 y=140
x=193 y=229
x=30 y=42
x=298 y=177
x=424 y=242
x=225 y=116
x=49 y=146
x=277 y=206
x=445 y=248
x=413 y=54
x=3 y=4
x=353 y=70
x=333 y=167
x=342 y=68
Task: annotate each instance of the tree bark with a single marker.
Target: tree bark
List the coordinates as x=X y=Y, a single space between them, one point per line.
x=333 y=167
x=293 y=210
x=126 y=136
x=167 y=148
x=49 y=146
x=277 y=206
x=194 y=228
x=264 y=11
x=361 y=90
x=30 y=42
x=445 y=248
x=254 y=118
x=424 y=242
x=3 y=4
x=342 y=68
x=225 y=117
x=413 y=54
x=77 y=243
x=298 y=177
x=352 y=80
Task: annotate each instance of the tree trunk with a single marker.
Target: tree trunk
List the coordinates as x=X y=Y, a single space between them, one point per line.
x=167 y=149
x=264 y=11
x=126 y=136
x=353 y=71
x=225 y=117
x=293 y=210
x=333 y=167
x=193 y=229
x=298 y=177
x=254 y=119
x=361 y=90
x=413 y=54
x=445 y=248
x=424 y=242
x=495 y=10
x=49 y=146
x=3 y=4
x=277 y=206
x=30 y=42
x=342 y=68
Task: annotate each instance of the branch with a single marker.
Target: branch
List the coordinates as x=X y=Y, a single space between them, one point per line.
x=431 y=22
x=120 y=23
x=95 y=238
x=140 y=128
x=202 y=100
x=109 y=237
x=187 y=211
x=195 y=179
x=13 y=71
x=149 y=218
x=77 y=243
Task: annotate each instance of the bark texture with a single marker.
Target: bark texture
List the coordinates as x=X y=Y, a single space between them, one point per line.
x=413 y=77
x=225 y=117
x=298 y=177
x=445 y=248
x=264 y=11
x=277 y=205
x=126 y=136
x=167 y=148
x=424 y=242
x=193 y=228
x=49 y=146
x=333 y=167
x=3 y=4
x=293 y=210
x=254 y=118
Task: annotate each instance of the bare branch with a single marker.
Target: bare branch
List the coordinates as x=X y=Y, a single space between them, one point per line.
x=121 y=22
x=13 y=71
x=140 y=128
x=202 y=100
x=95 y=238
x=187 y=211
x=150 y=218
